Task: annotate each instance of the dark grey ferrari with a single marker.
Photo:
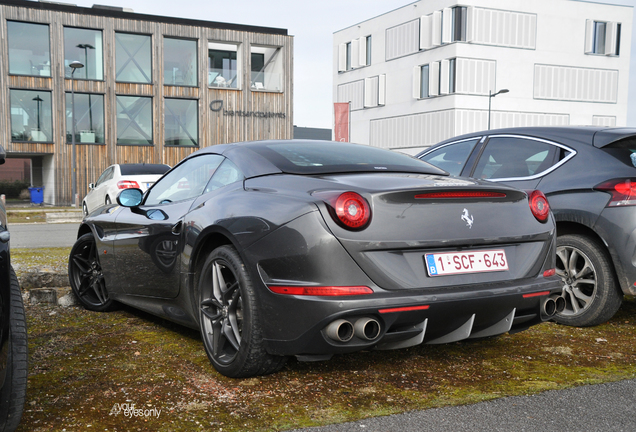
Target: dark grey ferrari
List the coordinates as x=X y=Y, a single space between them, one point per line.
x=312 y=248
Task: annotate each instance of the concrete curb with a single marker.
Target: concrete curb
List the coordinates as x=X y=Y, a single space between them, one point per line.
x=64 y=217
x=52 y=296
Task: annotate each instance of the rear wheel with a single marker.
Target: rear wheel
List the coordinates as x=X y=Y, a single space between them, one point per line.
x=230 y=319
x=86 y=277
x=84 y=208
x=590 y=288
x=13 y=392
x=107 y=200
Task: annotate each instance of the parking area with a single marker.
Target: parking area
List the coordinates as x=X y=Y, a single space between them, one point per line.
x=127 y=370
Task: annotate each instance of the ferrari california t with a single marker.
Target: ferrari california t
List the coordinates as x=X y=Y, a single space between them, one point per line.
x=312 y=248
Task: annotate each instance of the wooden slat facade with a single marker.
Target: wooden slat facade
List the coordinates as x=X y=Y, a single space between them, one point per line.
x=246 y=114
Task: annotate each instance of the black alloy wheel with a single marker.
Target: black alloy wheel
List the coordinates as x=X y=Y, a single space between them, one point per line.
x=84 y=209
x=107 y=200
x=86 y=277
x=229 y=318
x=590 y=288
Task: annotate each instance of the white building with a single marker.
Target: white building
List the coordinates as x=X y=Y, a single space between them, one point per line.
x=423 y=73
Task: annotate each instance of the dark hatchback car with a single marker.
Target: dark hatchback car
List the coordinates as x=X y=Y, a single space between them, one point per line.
x=589 y=177
x=313 y=248
x=13 y=336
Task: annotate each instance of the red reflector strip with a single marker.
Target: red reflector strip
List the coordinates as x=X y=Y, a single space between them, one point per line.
x=550 y=272
x=538 y=294
x=403 y=309
x=329 y=291
x=462 y=194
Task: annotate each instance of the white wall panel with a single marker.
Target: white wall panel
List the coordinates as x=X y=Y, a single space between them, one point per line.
x=475 y=76
x=412 y=130
x=403 y=39
x=504 y=28
x=352 y=92
x=604 y=121
x=575 y=84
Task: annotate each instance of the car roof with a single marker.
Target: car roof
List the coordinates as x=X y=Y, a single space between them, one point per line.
x=597 y=136
x=256 y=158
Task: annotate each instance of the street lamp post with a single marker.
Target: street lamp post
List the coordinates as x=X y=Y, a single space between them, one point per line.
x=38 y=100
x=490 y=96
x=86 y=47
x=74 y=65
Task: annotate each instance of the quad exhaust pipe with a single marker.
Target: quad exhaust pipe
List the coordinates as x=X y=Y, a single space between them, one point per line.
x=553 y=305
x=341 y=330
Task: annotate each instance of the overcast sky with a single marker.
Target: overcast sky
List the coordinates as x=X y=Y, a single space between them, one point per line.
x=312 y=23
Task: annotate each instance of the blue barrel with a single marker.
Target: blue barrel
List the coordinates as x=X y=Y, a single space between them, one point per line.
x=37 y=195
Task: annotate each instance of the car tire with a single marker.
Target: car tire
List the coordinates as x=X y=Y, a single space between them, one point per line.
x=230 y=319
x=590 y=289
x=107 y=200
x=84 y=209
x=13 y=392
x=86 y=277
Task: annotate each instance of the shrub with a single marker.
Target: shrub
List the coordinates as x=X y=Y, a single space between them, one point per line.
x=12 y=189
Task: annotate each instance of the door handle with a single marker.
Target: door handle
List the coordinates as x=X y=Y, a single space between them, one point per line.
x=176 y=228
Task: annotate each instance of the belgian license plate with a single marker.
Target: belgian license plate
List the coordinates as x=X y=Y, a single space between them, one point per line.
x=447 y=263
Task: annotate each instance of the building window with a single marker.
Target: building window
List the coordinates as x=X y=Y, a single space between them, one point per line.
x=31 y=116
x=134 y=120
x=89 y=118
x=368 y=50
x=182 y=122
x=424 y=81
x=85 y=46
x=452 y=75
x=458 y=31
x=603 y=38
x=133 y=58
x=223 y=65
x=266 y=68
x=348 y=65
x=180 y=62
x=29 y=52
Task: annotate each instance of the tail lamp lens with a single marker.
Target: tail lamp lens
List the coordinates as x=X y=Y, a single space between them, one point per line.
x=352 y=210
x=539 y=205
x=127 y=184
x=623 y=192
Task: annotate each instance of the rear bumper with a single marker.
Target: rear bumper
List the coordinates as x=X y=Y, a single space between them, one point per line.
x=439 y=317
x=617 y=226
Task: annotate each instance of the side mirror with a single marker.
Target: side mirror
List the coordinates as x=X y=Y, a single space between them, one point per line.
x=3 y=155
x=91 y=186
x=130 y=197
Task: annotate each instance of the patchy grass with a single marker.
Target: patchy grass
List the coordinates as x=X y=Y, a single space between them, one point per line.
x=43 y=259
x=26 y=216
x=83 y=363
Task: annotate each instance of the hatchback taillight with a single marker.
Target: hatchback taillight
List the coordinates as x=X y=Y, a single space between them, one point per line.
x=348 y=209
x=539 y=205
x=623 y=191
x=127 y=184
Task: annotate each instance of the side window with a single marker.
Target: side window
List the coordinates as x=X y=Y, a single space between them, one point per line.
x=452 y=157
x=187 y=180
x=511 y=157
x=106 y=175
x=225 y=174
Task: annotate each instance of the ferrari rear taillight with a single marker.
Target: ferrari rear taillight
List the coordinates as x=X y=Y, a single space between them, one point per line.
x=539 y=205
x=352 y=210
x=348 y=209
x=623 y=191
x=327 y=291
x=127 y=184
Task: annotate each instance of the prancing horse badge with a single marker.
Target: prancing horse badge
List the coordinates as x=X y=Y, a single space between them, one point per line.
x=467 y=218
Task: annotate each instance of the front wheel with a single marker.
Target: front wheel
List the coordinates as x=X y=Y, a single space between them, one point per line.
x=230 y=318
x=590 y=288
x=86 y=277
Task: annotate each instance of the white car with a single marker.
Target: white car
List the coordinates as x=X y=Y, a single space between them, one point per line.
x=118 y=177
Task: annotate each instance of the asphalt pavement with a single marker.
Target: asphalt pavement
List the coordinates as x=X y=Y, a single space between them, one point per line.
x=43 y=235
x=604 y=407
